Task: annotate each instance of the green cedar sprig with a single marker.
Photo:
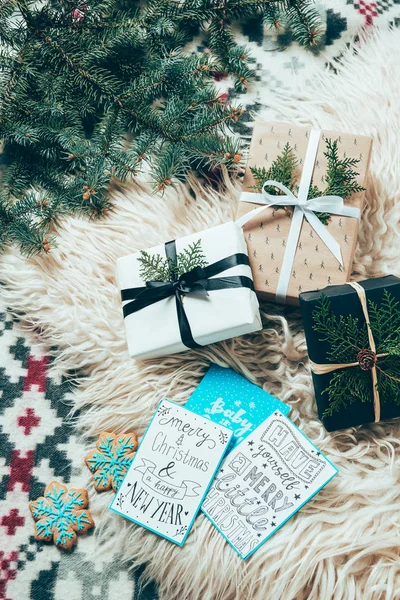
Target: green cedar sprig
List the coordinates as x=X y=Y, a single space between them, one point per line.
x=346 y=336
x=340 y=177
x=283 y=169
x=154 y=267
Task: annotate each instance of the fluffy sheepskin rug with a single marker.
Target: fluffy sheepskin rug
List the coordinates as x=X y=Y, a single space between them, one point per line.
x=344 y=544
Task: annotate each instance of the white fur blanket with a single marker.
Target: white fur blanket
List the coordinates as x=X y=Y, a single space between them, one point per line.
x=344 y=544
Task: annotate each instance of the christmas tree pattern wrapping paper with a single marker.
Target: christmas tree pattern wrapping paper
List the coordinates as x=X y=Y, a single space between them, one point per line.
x=266 y=234
x=337 y=334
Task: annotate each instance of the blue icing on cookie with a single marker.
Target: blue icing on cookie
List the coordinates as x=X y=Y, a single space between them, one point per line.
x=229 y=399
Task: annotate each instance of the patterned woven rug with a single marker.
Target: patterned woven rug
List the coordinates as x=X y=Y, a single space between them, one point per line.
x=37 y=444
x=37 y=438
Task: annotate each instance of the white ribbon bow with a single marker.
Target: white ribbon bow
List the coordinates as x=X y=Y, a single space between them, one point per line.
x=302 y=208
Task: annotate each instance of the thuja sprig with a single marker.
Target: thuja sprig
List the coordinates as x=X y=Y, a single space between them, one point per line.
x=385 y=324
x=347 y=387
x=283 y=169
x=346 y=337
x=154 y=267
x=341 y=176
x=191 y=257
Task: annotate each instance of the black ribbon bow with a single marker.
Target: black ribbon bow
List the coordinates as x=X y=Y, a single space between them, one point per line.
x=199 y=280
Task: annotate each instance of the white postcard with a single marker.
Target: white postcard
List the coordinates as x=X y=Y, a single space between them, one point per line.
x=172 y=471
x=264 y=481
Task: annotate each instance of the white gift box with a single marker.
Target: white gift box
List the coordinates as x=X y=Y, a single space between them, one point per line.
x=155 y=330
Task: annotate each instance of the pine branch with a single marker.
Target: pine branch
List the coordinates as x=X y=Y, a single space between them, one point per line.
x=283 y=169
x=105 y=94
x=388 y=371
x=303 y=20
x=341 y=175
x=89 y=92
x=272 y=17
x=26 y=13
x=32 y=238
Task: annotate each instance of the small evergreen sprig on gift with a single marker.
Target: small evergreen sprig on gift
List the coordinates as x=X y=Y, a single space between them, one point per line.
x=348 y=340
x=154 y=267
x=283 y=169
x=341 y=176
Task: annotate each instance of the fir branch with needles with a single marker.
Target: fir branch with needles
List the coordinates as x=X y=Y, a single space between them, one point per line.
x=340 y=177
x=154 y=267
x=94 y=91
x=347 y=337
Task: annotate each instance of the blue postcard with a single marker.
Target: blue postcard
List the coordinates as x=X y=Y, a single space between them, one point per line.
x=227 y=398
x=263 y=482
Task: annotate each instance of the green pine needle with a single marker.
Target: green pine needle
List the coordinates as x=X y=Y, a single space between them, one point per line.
x=346 y=387
x=94 y=91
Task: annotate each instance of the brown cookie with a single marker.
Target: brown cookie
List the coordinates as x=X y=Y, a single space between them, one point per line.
x=111 y=459
x=61 y=514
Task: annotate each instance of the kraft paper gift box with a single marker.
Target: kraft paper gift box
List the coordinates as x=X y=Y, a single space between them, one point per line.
x=314 y=266
x=355 y=367
x=205 y=305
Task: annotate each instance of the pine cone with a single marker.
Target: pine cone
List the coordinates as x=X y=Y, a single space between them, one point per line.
x=366 y=359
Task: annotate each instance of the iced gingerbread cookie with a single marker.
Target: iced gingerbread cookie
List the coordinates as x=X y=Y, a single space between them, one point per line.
x=61 y=514
x=111 y=459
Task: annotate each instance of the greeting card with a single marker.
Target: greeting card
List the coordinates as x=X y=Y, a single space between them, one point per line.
x=229 y=399
x=263 y=482
x=172 y=471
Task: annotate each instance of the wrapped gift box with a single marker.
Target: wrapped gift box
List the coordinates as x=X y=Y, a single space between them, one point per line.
x=337 y=334
x=314 y=266
x=205 y=306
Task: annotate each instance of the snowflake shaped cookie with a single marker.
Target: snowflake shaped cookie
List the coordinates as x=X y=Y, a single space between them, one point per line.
x=61 y=514
x=111 y=459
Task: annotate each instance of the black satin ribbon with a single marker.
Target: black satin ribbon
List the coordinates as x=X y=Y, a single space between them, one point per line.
x=197 y=281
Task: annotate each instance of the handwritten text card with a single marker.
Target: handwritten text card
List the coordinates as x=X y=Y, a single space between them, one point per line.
x=263 y=482
x=172 y=471
x=227 y=398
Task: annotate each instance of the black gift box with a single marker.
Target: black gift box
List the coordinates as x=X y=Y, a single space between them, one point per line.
x=344 y=301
